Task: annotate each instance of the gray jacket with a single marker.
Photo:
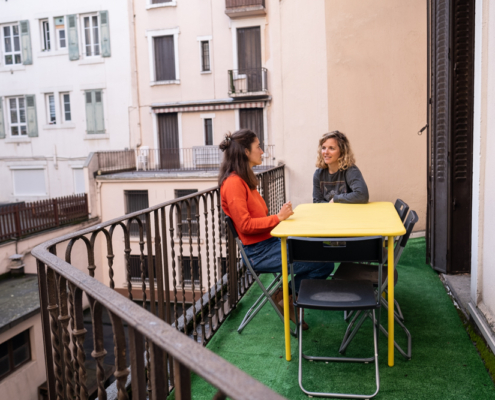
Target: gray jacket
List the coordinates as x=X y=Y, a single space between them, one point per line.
x=343 y=187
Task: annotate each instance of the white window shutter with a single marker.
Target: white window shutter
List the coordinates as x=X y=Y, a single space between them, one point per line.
x=105 y=34
x=99 y=117
x=2 y=124
x=73 y=40
x=32 y=119
x=89 y=98
x=27 y=56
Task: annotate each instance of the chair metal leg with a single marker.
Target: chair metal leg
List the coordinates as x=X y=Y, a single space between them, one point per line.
x=351 y=332
x=340 y=359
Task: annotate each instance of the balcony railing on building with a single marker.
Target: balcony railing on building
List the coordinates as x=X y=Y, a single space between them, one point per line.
x=197 y=158
x=244 y=8
x=198 y=280
x=248 y=82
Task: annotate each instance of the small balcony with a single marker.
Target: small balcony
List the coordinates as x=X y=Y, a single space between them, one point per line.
x=196 y=158
x=248 y=82
x=244 y=8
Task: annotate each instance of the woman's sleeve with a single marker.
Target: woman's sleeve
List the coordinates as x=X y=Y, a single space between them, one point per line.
x=359 y=194
x=317 y=194
x=237 y=202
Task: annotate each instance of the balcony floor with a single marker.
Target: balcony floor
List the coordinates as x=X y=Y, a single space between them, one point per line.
x=445 y=364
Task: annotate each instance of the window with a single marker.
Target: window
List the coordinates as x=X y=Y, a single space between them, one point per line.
x=205 y=55
x=208 y=131
x=12 y=45
x=135 y=267
x=91 y=36
x=45 y=35
x=60 y=31
x=65 y=101
x=136 y=200
x=51 y=117
x=186 y=272
x=164 y=58
x=94 y=112
x=14 y=353
x=17 y=116
x=29 y=182
x=183 y=216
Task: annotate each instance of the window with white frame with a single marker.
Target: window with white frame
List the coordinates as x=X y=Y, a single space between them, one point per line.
x=29 y=181
x=51 y=117
x=61 y=38
x=95 y=122
x=208 y=123
x=91 y=35
x=164 y=56
x=205 y=56
x=11 y=44
x=45 y=35
x=65 y=107
x=17 y=116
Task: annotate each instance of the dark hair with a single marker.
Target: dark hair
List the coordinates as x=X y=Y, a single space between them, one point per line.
x=235 y=159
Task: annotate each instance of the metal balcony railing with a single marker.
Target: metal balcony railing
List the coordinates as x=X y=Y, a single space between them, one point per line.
x=159 y=357
x=243 y=3
x=248 y=82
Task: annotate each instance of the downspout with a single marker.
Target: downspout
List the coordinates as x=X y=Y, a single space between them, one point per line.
x=140 y=141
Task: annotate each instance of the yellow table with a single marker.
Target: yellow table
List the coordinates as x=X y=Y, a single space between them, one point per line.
x=341 y=220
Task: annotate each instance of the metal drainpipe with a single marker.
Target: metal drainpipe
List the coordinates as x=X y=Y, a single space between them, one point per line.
x=140 y=141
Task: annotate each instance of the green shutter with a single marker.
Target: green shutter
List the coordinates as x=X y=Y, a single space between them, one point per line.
x=32 y=119
x=2 y=126
x=105 y=34
x=99 y=118
x=90 y=111
x=73 y=41
x=27 y=55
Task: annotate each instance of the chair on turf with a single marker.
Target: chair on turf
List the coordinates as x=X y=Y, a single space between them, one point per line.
x=335 y=295
x=268 y=291
x=359 y=271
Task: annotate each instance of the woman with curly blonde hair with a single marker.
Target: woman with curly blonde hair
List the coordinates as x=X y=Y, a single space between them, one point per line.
x=337 y=179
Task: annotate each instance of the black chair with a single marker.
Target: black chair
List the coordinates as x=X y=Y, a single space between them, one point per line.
x=268 y=291
x=335 y=295
x=358 y=271
x=402 y=208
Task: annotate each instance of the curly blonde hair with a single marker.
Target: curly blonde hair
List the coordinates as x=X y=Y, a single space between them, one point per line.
x=346 y=159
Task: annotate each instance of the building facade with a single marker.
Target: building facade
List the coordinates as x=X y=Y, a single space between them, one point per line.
x=65 y=91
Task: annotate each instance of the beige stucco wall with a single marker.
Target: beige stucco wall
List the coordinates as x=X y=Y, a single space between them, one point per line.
x=23 y=383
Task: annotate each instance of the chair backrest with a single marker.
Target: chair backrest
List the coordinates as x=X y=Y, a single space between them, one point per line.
x=402 y=209
x=336 y=249
x=411 y=220
x=231 y=226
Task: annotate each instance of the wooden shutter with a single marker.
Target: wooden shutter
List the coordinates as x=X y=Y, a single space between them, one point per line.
x=252 y=118
x=164 y=58
x=90 y=112
x=105 y=34
x=249 y=57
x=99 y=116
x=32 y=119
x=168 y=138
x=72 y=37
x=27 y=55
x=2 y=124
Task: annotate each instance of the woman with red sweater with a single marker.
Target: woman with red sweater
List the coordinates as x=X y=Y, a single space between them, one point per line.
x=242 y=202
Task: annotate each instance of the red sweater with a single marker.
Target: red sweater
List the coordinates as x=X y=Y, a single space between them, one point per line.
x=247 y=209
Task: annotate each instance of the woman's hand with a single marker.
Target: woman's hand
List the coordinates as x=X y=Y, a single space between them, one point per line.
x=331 y=201
x=285 y=212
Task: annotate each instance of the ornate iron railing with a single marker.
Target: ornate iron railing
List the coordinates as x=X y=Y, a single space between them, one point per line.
x=161 y=357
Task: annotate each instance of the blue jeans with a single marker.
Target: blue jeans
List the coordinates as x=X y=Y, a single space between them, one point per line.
x=266 y=256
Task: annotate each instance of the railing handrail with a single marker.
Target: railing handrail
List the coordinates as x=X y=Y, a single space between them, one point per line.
x=218 y=372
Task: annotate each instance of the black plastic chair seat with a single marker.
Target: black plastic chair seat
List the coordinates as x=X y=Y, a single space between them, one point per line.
x=362 y=272
x=323 y=294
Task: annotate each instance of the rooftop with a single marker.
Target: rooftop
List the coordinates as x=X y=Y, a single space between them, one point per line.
x=19 y=300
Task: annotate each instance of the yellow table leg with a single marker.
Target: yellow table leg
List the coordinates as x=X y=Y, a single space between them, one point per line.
x=391 y=267
x=285 y=286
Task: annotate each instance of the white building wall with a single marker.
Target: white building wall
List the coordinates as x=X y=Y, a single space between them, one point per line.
x=61 y=147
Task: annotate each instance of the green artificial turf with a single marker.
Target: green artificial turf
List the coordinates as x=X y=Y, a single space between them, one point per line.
x=444 y=364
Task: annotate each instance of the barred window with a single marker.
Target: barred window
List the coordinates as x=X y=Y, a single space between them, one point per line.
x=183 y=216
x=135 y=267
x=186 y=274
x=136 y=200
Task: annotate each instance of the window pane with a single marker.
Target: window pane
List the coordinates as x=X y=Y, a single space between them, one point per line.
x=14 y=130
x=17 y=58
x=205 y=51
x=4 y=358
x=23 y=130
x=164 y=58
x=8 y=60
x=62 y=38
x=13 y=110
x=67 y=107
x=7 y=39
x=17 y=43
x=51 y=104
x=46 y=35
x=98 y=97
x=96 y=37
x=88 y=97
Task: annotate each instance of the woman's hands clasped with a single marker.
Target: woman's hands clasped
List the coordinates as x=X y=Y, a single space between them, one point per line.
x=285 y=212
